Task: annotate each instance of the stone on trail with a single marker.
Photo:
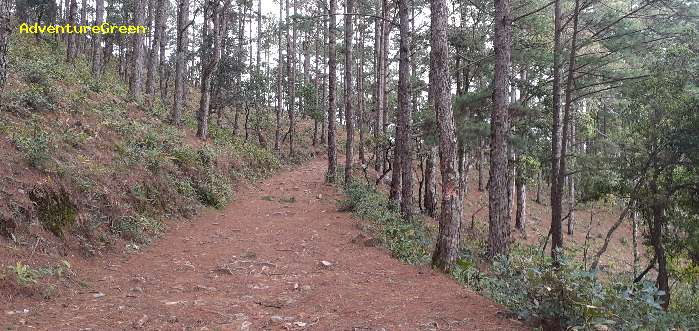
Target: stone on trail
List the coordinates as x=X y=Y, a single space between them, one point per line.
x=326 y=264
x=141 y=322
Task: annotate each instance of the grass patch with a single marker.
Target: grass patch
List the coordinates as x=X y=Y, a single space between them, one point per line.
x=410 y=242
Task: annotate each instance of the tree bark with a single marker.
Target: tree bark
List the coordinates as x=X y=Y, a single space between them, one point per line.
x=210 y=61
x=349 y=111
x=154 y=49
x=163 y=71
x=361 y=109
x=332 y=67
x=447 y=247
x=280 y=78
x=136 y=81
x=71 y=47
x=430 y=197
x=498 y=198
x=481 y=166
x=405 y=112
x=571 y=184
x=97 y=44
x=378 y=114
x=291 y=72
x=556 y=139
x=5 y=31
x=180 y=61
x=656 y=239
x=521 y=191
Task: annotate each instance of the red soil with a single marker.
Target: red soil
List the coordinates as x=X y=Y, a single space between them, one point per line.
x=257 y=264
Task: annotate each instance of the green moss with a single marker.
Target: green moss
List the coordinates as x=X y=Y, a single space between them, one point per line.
x=54 y=209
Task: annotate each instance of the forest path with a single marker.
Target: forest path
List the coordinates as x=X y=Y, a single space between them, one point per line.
x=257 y=264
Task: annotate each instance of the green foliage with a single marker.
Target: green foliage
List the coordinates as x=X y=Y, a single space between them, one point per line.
x=34 y=145
x=23 y=273
x=139 y=229
x=530 y=285
x=409 y=242
x=214 y=190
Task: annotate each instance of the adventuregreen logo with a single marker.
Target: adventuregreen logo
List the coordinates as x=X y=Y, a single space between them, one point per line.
x=104 y=28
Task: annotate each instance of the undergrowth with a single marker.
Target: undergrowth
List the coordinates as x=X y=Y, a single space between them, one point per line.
x=526 y=282
x=125 y=169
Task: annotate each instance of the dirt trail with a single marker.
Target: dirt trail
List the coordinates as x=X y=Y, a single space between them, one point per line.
x=257 y=265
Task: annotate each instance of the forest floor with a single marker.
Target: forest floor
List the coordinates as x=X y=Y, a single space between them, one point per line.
x=280 y=256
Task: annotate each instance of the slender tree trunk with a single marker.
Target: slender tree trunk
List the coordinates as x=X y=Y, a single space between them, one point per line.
x=539 y=186
x=385 y=46
x=154 y=48
x=280 y=98
x=656 y=240
x=571 y=185
x=210 y=63
x=556 y=140
x=5 y=31
x=498 y=198
x=349 y=111
x=180 y=60
x=521 y=191
x=567 y=126
x=97 y=45
x=361 y=109
x=82 y=40
x=481 y=166
x=447 y=247
x=136 y=81
x=430 y=197
x=71 y=47
x=405 y=112
x=259 y=32
x=332 y=67
x=291 y=70
x=378 y=114
x=163 y=71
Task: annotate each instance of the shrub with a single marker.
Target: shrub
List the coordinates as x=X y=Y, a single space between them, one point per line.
x=35 y=146
x=139 y=229
x=569 y=297
x=214 y=190
x=409 y=242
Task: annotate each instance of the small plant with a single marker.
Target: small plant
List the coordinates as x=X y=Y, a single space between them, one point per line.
x=138 y=229
x=23 y=273
x=214 y=190
x=35 y=146
x=288 y=200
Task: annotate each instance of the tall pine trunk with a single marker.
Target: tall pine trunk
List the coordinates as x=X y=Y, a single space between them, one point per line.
x=136 y=81
x=332 y=67
x=154 y=49
x=97 y=44
x=71 y=47
x=5 y=30
x=498 y=193
x=180 y=61
x=447 y=248
x=163 y=71
x=349 y=111
x=280 y=78
x=556 y=139
x=404 y=148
